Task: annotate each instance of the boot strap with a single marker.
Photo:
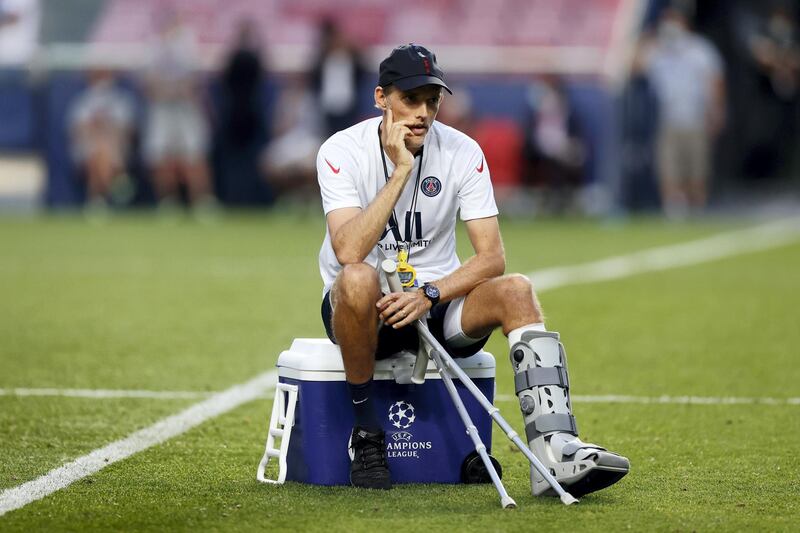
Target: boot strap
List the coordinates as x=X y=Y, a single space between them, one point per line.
x=551 y=422
x=541 y=376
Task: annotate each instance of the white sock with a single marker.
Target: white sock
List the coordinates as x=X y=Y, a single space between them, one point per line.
x=515 y=335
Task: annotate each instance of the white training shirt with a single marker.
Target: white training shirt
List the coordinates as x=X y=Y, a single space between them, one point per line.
x=454 y=177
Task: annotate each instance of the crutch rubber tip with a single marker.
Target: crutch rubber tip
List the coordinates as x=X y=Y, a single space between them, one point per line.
x=417 y=381
x=568 y=499
x=508 y=503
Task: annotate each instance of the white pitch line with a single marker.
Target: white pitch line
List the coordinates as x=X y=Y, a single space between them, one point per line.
x=107 y=393
x=169 y=427
x=723 y=245
x=605 y=398
x=674 y=400
x=720 y=246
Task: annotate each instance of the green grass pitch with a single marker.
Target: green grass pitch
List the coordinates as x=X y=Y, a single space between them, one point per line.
x=146 y=303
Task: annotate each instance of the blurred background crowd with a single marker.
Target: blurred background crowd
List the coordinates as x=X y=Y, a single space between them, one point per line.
x=590 y=107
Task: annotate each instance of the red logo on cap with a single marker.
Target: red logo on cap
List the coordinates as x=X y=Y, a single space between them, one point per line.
x=427 y=65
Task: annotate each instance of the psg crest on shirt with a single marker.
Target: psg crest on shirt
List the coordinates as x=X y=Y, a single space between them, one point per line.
x=431 y=186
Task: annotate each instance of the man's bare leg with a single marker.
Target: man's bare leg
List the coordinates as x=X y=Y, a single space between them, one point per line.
x=197 y=177
x=698 y=194
x=506 y=301
x=355 y=320
x=98 y=181
x=355 y=326
x=165 y=180
x=542 y=386
x=100 y=170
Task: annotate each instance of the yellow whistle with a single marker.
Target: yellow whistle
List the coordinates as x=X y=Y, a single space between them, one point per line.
x=402 y=255
x=405 y=272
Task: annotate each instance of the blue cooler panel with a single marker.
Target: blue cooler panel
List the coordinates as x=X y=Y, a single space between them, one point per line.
x=425 y=438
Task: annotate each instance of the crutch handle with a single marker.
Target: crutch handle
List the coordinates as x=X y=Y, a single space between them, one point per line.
x=389 y=268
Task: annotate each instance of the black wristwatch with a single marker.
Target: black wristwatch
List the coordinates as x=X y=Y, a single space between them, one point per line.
x=431 y=292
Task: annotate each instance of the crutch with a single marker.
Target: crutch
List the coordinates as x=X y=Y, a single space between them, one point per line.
x=389 y=268
x=446 y=364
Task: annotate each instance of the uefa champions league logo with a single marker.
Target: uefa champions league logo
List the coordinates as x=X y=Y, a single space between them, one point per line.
x=401 y=415
x=405 y=446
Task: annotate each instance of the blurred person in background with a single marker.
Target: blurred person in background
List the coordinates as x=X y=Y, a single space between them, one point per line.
x=176 y=135
x=686 y=72
x=101 y=122
x=19 y=31
x=775 y=52
x=289 y=160
x=554 y=151
x=639 y=128
x=336 y=77
x=242 y=132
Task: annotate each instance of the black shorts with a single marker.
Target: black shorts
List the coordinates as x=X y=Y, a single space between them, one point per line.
x=391 y=341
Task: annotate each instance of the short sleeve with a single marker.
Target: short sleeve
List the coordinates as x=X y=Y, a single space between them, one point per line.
x=336 y=173
x=475 y=194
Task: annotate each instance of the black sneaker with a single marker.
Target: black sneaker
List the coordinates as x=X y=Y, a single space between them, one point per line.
x=368 y=469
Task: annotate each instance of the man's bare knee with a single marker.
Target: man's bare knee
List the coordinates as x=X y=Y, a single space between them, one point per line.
x=517 y=296
x=516 y=287
x=357 y=285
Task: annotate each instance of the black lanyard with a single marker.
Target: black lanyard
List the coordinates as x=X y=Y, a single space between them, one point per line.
x=393 y=219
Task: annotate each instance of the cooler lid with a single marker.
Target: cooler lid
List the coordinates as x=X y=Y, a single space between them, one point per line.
x=321 y=355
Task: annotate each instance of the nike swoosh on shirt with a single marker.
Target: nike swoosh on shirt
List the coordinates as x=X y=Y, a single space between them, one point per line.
x=478 y=168
x=335 y=170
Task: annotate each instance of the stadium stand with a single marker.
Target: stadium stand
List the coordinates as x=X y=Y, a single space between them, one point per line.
x=492 y=50
x=373 y=22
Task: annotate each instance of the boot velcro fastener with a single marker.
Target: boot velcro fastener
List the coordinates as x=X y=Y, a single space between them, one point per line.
x=551 y=422
x=538 y=377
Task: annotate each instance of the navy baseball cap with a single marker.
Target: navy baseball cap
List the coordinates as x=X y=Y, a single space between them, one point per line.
x=410 y=66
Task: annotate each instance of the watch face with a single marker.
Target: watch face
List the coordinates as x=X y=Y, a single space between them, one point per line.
x=431 y=291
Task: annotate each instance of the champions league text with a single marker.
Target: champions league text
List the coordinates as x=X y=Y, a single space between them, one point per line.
x=406 y=449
